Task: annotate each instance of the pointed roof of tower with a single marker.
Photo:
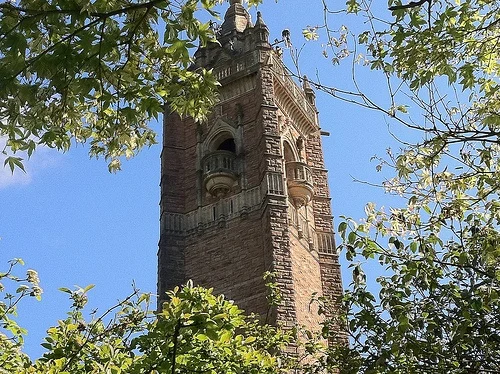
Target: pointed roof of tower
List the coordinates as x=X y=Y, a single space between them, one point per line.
x=237 y=18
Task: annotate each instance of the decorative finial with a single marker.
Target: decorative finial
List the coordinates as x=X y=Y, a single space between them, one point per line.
x=305 y=83
x=260 y=21
x=236 y=2
x=285 y=34
x=310 y=95
x=263 y=31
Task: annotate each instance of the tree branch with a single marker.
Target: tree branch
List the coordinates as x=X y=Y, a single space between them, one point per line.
x=127 y=9
x=411 y=4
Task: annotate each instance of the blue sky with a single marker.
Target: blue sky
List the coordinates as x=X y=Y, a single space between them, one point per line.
x=77 y=224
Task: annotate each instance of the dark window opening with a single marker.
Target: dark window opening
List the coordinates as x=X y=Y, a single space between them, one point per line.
x=227 y=145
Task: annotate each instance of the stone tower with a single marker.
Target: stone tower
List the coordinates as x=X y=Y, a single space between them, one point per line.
x=246 y=192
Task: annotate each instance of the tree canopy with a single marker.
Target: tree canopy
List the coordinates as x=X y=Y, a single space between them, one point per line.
x=97 y=71
x=195 y=331
x=436 y=306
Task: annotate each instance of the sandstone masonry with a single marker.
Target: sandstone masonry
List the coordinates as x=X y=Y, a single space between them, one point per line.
x=247 y=192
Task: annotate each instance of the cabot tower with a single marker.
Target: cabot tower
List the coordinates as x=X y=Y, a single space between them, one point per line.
x=246 y=192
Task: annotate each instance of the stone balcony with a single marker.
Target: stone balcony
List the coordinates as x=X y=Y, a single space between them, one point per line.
x=220 y=172
x=299 y=182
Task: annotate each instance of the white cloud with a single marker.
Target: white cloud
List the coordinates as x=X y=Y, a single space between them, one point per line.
x=41 y=159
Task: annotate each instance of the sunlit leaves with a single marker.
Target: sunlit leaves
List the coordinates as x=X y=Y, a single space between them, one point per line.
x=310 y=33
x=437 y=300
x=206 y=333
x=353 y=6
x=13 y=288
x=195 y=331
x=97 y=72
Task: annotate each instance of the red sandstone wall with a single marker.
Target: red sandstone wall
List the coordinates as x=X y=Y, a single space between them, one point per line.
x=307 y=281
x=232 y=260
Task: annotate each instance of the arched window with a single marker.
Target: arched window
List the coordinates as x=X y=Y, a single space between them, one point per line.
x=227 y=145
x=220 y=164
x=222 y=141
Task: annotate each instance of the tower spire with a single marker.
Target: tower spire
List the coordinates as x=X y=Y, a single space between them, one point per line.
x=236 y=19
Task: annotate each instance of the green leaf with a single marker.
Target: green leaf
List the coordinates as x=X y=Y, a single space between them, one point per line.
x=14 y=162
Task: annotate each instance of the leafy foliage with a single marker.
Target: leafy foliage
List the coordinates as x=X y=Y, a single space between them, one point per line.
x=206 y=333
x=11 y=334
x=97 y=71
x=196 y=331
x=437 y=303
x=437 y=306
